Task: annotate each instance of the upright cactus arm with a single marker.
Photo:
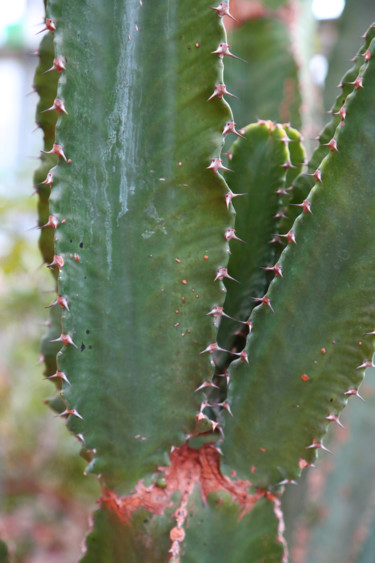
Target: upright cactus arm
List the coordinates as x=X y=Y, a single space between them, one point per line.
x=323 y=311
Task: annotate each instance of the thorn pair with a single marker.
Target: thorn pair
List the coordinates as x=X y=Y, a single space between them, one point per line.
x=223 y=50
x=223 y=10
x=216 y=165
x=66 y=339
x=58 y=150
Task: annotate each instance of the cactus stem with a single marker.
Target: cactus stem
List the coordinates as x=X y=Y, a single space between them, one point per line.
x=263 y=301
x=219 y=91
x=66 y=339
x=217 y=164
x=57 y=149
x=57 y=105
x=223 y=50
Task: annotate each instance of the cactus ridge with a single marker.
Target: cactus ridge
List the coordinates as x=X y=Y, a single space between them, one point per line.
x=314 y=384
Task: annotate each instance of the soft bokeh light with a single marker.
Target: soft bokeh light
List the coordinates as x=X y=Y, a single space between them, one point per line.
x=327 y=9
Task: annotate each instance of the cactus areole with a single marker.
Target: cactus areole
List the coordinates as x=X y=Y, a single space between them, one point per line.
x=195 y=294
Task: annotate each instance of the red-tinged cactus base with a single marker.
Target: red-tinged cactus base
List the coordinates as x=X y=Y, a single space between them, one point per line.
x=189 y=468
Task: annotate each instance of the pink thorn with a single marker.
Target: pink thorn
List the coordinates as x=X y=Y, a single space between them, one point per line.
x=62 y=301
x=281 y=191
x=223 y=10
x=50 y=26
x=287 y=165
x=57 y=261
x=57 y=105
x=57 y=149
x=206 y=384
x=218 y=312
x=317 y=175
x=229 y=196
x=230 y=127
x=58 y=64
x=334 y=418
x=354 y=392
x=243 y=356
x=59 y=375
x=276 y=268
x=217 y=164
x=306 y=206
x=226 y=406
x=318 y=446
x=366 y=55
x=230 y=234
x=332 y=145
x=52 y=222
x=341 y=113
x=264 y=301
x=223 y=273
x=48 y=181
x=73 y=412
x=219 y=91
x=366 y=364
x=290 y=236
x=223 y=50
x=66 y=339
x=358 y=83
x=211 y=348
x=280 y=215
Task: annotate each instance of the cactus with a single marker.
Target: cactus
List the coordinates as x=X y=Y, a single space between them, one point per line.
x=198 y=364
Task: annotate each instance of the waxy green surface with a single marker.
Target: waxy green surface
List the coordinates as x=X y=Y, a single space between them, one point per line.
x=144 y=223
x=324 y=307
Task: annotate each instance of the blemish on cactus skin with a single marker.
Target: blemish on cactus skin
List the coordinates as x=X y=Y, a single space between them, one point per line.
x=323 y=350
x=305 y=377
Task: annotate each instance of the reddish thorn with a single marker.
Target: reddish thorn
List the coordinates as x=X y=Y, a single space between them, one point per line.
x=223 y=10
x=62 y=301
x=218 y=312
x=223 y=273
x=59 y=375
x=230 y=127
x=58 y=64
x=366 y=364
x=341 y=112
x=243 y=356
x=264 y=301
x=217 y=164
x=285 y=140
x=223 y=50
x=287 y=165
x=366 y=55
x=276 y=268
x=57 y=149
x=66 y=339
x=50 y=26
x=230 y=234
x=52 y=222
x=178 y=261
x=219 y=91
x=354 y=392
x=229 y=196
x=275 y=240
x=206 y=384
x=211 y=348
x=358 y=83
x=318 y=446
x=57 y=261
x=334 y=418
x=73 y=412
x=306 y=206
x=332 y=145
x=48 y=181
x=290 y=236
x=281 y=191
x=317 y=175
x=226 y=406
x=57 y=105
